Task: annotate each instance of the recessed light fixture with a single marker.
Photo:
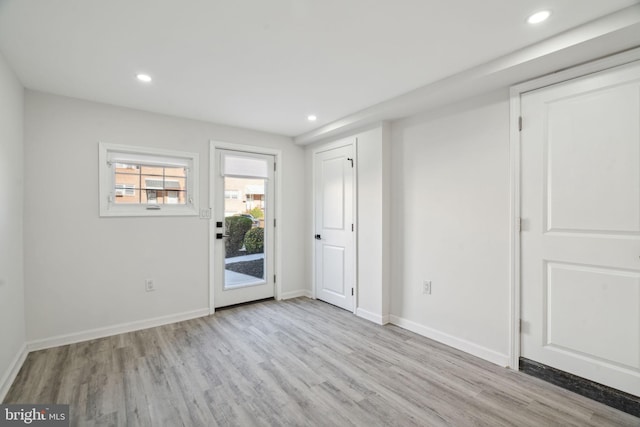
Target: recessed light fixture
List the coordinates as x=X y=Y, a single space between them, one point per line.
x=146 y=78
x=539 y=17
x=312 y=118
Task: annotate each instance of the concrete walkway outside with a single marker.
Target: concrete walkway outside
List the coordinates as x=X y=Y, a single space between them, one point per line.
x=243 y=258
x=233 y=279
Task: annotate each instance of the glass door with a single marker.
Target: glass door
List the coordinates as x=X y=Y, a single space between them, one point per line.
x=244 y=241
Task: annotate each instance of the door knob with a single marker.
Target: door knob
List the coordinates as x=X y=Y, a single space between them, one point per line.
x=318 y=237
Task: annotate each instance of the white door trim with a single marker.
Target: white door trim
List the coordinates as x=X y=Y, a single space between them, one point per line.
x=514 y=149
x=344 y=142
x=213 y=170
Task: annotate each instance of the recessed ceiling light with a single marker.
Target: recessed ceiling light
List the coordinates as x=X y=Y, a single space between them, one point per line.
x=144 y=77
x=312 y=118
x=539 y=17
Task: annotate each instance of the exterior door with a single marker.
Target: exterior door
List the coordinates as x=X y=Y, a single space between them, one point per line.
x=580 y=203
x=334 y=244
x=243 y=216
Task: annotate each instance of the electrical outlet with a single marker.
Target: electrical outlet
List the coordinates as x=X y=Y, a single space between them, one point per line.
x=149 y=285
x=426 y=287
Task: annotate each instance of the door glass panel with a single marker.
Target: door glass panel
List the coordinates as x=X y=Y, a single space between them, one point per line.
x=244 y=211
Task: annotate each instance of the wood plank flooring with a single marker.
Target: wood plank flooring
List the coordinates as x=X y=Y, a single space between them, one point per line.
x=298 y=362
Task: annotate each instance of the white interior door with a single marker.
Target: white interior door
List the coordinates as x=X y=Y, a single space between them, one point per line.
x=334 y=250
x=580 y=204
x=243 y=217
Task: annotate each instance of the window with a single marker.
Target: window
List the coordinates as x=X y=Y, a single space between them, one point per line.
x=125 y=190
x=231 y=194
x=136 y=181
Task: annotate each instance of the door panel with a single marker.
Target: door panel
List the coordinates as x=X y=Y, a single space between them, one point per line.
x=592 y=168
x=333 y=270
x=580 y=203
x=333 y=193
x=335 y=261
x=603 y=302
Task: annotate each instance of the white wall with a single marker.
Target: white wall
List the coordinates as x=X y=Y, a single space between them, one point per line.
x=373 y=223
x=12 y=307
x=83 y=272
x=450 y=216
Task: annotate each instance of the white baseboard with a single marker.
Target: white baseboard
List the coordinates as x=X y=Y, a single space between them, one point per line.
x=12 y=372
x=295 y=294
x=122 y=328
x=455 y=342
x=372 y=317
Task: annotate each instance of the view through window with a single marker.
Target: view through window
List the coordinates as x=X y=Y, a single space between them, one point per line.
x=140 y=184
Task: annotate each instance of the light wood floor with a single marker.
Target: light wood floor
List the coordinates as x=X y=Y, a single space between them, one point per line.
x=298 y=362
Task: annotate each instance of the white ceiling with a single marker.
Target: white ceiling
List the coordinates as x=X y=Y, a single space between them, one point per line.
x=266 y=64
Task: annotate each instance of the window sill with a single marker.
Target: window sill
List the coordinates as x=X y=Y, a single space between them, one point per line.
x=140 y=211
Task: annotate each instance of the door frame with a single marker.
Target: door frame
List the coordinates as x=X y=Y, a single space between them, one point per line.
x=344 y=142
x=214 y=168
x=516 y=92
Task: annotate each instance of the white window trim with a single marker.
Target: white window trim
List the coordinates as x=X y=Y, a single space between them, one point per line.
x=108 y=207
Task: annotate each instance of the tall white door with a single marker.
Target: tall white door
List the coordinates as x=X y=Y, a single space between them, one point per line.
x=243 y=218
x=580 y=253
x=334 y=200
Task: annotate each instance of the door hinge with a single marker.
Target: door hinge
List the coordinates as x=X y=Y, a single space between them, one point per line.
x=351 y=291
x=274 y=278
x=349 y=159
x=520 y=123
x=274 y=222
x=351 y=227
x=274 y=166
x=520 y=325
x=518 y=224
